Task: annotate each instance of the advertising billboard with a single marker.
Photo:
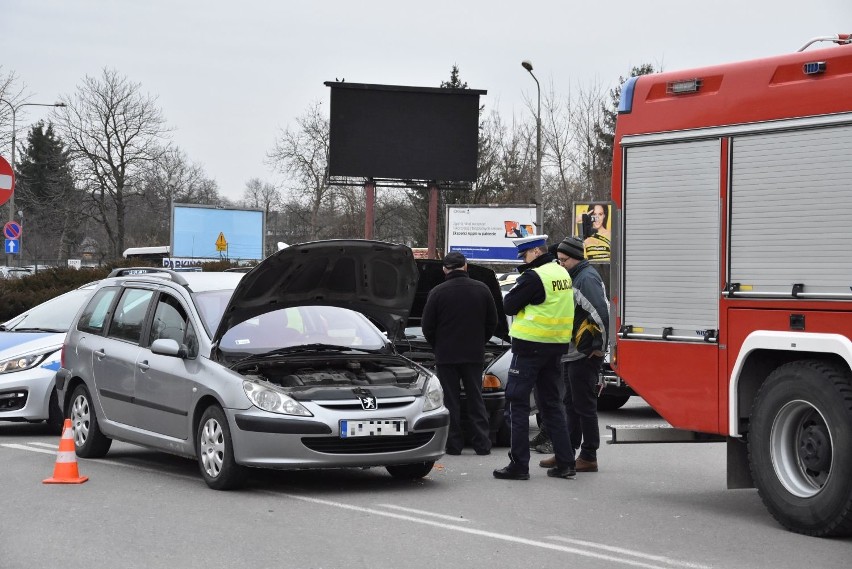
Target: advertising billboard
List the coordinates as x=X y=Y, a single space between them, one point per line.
x=205 y=232
x=484 y=233
x=598 y=239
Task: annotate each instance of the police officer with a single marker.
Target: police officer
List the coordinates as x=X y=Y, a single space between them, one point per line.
x=542 y=302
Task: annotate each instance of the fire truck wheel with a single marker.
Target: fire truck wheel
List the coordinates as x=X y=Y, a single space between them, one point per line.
x=612 y=402
x=800 y=447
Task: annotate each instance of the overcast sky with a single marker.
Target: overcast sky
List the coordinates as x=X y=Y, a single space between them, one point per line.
x=230 y=75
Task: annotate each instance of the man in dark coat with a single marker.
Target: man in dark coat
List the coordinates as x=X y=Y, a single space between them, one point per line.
x=458 y=319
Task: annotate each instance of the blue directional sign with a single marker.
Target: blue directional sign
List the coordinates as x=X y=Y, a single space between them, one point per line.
x=12 y=246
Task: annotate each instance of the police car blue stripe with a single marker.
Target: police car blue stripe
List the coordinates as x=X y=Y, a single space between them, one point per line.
x=12 y=339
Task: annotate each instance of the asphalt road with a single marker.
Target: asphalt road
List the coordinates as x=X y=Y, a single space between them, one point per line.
x=659 y=505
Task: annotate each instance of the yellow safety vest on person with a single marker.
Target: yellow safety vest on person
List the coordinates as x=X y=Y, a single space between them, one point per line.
x=552 y=321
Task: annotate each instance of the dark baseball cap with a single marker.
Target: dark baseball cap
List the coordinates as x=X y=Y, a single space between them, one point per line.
x=454 y=260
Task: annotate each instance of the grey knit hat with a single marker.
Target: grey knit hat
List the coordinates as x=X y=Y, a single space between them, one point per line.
x=573 y=247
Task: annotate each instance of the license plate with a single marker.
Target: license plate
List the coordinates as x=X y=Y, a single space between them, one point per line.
x=372 y=428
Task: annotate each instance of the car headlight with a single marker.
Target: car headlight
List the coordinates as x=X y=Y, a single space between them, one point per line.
x=21 y=363
x=434 y=394
x=268 y=398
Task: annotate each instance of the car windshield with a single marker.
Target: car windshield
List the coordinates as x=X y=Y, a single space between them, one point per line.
x=211 y=305
x=311 y=326
x=55 y=315
x=415 y=333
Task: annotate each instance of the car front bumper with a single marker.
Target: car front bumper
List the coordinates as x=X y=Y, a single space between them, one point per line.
x=262 y=439
x=25 y=395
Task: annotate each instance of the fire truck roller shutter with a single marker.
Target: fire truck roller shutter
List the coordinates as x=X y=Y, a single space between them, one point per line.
x=671 y=227
x=791 y=210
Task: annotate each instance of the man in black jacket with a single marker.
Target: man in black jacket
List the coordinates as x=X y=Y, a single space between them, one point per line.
x=458 y=319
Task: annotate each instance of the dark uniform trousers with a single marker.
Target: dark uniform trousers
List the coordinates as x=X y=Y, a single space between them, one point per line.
x=452 y=376
x=542 y=372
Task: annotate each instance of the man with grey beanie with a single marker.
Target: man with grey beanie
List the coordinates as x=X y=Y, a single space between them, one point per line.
x=581 y=365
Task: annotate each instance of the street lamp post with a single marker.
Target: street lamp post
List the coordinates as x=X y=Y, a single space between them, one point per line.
x=539 y=202
x=14 y=109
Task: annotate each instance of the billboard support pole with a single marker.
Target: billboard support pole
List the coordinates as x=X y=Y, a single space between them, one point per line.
x=433 y=221
x=369 y=220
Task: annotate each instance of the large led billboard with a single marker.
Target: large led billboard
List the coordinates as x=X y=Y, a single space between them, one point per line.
x=205 y=232
x=399 y=132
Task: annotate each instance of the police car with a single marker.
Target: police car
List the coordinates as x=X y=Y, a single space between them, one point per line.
x=30 y=346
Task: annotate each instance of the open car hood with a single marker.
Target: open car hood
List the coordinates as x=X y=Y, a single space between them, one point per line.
x=431 y=274
x=374 y=278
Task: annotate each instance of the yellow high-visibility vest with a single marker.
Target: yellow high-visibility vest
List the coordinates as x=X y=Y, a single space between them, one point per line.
x=550 y=322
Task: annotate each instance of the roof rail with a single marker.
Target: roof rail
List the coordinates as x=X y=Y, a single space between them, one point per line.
x=839 y=39
x=156 y=271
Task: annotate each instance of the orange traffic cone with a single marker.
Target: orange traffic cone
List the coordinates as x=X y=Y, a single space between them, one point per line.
x=65 y=470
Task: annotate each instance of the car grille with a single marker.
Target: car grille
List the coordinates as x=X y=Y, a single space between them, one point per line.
x=367 y=445
x=355 y=405
x=13 y=400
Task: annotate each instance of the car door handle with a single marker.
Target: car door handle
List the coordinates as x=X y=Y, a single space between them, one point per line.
x=100 y=354
x=144 y=365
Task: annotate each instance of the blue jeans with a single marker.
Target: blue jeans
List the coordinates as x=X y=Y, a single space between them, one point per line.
x=542 y=372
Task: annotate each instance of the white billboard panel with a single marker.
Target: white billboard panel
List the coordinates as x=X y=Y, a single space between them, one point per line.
x=205 y=232
x=484 y=233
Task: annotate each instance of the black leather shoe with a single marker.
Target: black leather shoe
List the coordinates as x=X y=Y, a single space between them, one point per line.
x=483 y=451
x=509 y=473
x=562 y=472
x=453 y=451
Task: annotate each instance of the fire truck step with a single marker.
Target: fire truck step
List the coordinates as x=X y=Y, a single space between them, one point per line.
x=657 y=433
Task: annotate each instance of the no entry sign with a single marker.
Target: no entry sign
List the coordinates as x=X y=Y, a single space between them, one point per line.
x=7 y=181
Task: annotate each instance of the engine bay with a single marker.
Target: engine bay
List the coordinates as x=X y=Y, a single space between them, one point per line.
x=342 y=372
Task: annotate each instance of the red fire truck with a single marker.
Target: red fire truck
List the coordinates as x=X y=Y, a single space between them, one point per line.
x=733 y=270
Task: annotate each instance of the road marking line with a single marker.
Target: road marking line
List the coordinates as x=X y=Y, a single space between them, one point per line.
x=425 y=513
x=101 y=461
x=46 y=445
x=472 y=531
x=624 y=551
x=25 y=447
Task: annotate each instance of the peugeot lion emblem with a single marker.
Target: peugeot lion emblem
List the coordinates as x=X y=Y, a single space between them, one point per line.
x=368 y=402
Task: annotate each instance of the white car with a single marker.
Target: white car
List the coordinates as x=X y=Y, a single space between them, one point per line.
x=13 y=272
x=30 y=346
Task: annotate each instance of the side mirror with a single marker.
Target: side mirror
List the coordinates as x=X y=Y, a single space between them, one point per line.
x=168 y=347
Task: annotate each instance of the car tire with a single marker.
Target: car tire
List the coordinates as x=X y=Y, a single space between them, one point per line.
x=89 y=441
x=215 y=451
x=55 y=418
x=410 y=471
x=800 y=447
x=612 y=402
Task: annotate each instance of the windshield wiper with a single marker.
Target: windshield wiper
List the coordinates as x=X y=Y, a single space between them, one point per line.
x=53 y=330
x=317 y=347
x=303 y=348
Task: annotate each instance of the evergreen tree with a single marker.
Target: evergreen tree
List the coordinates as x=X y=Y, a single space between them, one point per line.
x=44 y=192
x=599 y=170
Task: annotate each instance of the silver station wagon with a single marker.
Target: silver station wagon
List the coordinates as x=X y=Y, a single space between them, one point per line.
x=283 y=367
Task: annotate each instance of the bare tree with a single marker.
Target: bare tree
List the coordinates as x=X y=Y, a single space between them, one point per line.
x=114 y=131
x=12 y=94
x=261 y=195
x=172 y=178
x=302 y=155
